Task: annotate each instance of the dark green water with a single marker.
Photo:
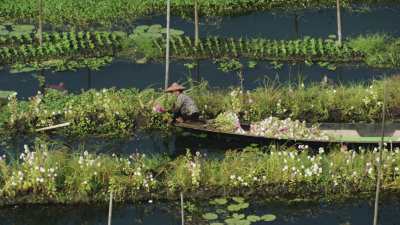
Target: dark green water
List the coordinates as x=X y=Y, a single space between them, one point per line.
x=357 y=213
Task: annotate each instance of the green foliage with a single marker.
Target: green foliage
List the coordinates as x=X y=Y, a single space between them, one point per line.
x=380 y=50
x=51 y=173
x=25 y=49
x=121 y=112
x=234 y=213
x=110 y=12
x=142 y=43
x=107 y=112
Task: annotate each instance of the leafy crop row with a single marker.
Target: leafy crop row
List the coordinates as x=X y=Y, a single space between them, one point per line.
x=108 y=12
x=262 y=49
x=25 y=48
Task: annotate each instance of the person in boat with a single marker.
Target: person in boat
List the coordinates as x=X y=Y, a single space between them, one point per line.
x=184 y=108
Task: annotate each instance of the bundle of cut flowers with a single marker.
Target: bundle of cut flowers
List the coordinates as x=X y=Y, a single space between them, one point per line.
x=228 y=122
x=271 y=127
x=287 y=129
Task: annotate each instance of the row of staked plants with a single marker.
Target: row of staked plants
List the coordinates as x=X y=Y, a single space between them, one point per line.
x=378 y=51
x=25 y=48
x=148 y=43
x=108 y=12
x=49 y=173
x=111 y=112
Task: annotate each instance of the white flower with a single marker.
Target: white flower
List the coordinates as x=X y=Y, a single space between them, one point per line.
x=321 y=150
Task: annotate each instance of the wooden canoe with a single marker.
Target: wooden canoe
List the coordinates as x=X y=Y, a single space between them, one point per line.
x=339 y=138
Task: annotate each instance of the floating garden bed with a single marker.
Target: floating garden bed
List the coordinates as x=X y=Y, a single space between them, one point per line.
x=52 y=174
x=108 y=12
x=119 y=112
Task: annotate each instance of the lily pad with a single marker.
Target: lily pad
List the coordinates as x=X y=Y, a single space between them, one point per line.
x=210 y=216
x=238 y=216
x=268 y=217
x=220 y=201
x=253 y=218
x=234 y=207
x=221 y=211
x=234 y=221
x=141 y=29
x=156 y=28
x=238 y=199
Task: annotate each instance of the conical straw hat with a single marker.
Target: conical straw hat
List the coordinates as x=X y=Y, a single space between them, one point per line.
x=175 y=87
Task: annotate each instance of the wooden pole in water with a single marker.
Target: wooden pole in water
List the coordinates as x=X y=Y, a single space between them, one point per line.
x=339 y=22
x=40 y=25
x=182 y=210
x=41 y=78
x=196 y=35
x=167 y=44
x=110 y=208
x=382 y=147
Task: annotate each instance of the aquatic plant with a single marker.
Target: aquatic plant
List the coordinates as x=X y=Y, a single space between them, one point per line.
x=110 y=12
x=51 y=173
x=230 y=211
x=111 y=112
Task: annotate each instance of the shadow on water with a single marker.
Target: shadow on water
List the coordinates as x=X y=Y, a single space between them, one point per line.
x=148 y=143
x=359 y=213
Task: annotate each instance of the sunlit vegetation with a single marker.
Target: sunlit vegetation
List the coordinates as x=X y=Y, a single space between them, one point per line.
x=120 y=112
x=49 y=173
x=77 y=13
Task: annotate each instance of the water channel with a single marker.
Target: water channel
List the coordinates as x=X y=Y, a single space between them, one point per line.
x=281 y=25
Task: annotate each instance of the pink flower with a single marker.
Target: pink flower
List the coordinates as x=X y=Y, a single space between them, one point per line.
x=158 y=108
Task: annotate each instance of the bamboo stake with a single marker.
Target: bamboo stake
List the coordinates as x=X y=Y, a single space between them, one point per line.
x=40 y=26
x=379 y=174
x=196 y=23
x=196 y=35
x=110 y=208
x=182 y=210
x=54 y=126
x=339 y=22
x=167 y=44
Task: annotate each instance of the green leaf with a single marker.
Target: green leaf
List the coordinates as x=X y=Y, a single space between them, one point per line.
x=210 y=216
x=238 y=216
x=220 y=201
x=234 y=207
x=234 y=221
x=268 y=217
x=238 y=199
x=216 y=224
x=253 y=218
x=156 y=28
